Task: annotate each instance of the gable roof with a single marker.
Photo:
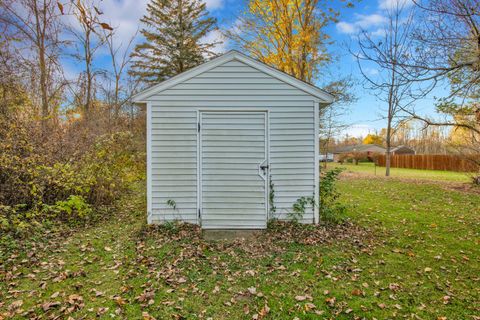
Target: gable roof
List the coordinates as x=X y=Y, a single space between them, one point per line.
x=322 y=95
x=360 y=148
x=403 y=148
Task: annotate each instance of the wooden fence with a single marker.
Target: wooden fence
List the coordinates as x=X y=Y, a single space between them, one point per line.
x=430 y=162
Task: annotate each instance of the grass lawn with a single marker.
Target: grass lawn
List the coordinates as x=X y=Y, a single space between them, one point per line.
x=412 y=252
x=368 y=168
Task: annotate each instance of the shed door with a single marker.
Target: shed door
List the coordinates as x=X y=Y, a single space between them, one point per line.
x=233 y=170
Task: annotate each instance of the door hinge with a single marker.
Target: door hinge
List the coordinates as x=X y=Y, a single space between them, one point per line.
x=198 y=127
x=199 y=214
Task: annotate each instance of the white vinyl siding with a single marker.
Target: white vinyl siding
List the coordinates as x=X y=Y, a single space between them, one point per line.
x=233 y=86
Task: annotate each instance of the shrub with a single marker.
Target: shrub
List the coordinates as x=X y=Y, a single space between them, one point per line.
x=38 y=185
x=330 y=209
x=111 y=166
x=73 y=207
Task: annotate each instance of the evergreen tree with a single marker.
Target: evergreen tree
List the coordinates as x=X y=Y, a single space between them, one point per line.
x=173 y=33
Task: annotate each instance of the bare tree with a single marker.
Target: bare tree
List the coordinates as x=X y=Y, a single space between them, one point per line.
x=36 y=23
x=446 y=50
x=13 y=91
x=331 y=124
x=119 y=88
x=89 y=39
x=387 y=54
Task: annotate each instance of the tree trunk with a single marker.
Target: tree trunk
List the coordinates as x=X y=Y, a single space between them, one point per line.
x=43 y=89
x=88 y=75
x=40 y=30
x=388 y=153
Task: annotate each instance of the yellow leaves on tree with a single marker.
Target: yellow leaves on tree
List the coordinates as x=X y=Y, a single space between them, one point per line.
x=286 y=34
x=372 y=139
x=460 y=135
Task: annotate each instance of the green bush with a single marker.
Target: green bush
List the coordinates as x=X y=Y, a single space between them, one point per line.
x=331 y=211
x=38 y=186
x=111 y=166
x=73 y=207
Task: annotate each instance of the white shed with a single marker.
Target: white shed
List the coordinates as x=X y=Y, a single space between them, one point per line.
x=231 y=144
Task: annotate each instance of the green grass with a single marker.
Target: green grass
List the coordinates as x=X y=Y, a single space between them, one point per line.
x=368 y=168
x=416 y=253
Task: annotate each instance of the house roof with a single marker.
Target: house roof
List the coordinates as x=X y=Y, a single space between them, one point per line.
x=322 y=95
x=402 y=147
x=360 y=148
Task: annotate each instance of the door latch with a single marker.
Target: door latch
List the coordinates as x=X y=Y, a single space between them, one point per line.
x=264 y=167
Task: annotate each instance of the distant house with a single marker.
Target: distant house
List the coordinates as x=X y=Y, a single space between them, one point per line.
x=402 y=150
x=326 y=157
x=369 y=149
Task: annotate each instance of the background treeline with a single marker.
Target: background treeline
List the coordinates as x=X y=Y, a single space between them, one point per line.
x=412 y=133
x=423 y=46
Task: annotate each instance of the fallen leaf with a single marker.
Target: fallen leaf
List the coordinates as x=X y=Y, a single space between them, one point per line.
x=146 y=316
x=48 y=305
x=15 y=305
x=182 y=280
x=330 y=301
x=119 y=300
x=357 y=292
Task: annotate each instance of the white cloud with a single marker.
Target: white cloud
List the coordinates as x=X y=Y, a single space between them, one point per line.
x=345 y=27
x=380 y=32
x=214 y=4
x=216 y=36
x=392 y=4
x=362 y=22
x=371 y=20
x=124 y=16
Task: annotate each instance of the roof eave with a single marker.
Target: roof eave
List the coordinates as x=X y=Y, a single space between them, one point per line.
x=323 y=96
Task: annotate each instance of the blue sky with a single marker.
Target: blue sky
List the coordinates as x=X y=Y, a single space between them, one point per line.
x=364 y=116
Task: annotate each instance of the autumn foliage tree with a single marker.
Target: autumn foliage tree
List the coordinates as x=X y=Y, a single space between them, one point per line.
x=372 y=139
x=286 y=34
